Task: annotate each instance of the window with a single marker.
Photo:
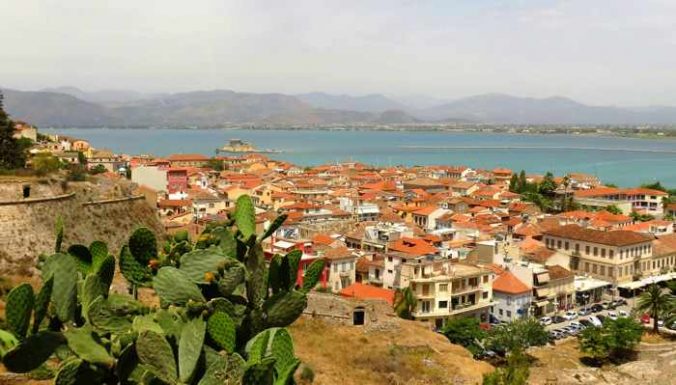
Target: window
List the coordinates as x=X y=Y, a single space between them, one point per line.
x=485 y=279
x=586 y=267
x=500 y=311
x=594 y=269
x=577 y=247
x=596 y=251
x=567 y=245
x=558 y=244
x=586 y=249
x=335 y=267
x=484 y=295
x=443 y=304
x=443 y=287
x=603 y=253
x=611 y=254
x=509 y=314
x=389 y=259
x=426 y=305
x=603 y=270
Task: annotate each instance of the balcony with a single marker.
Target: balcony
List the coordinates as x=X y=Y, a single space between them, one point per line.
x=466 y=289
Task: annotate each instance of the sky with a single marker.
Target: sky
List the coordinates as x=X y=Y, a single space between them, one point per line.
x=601 y=52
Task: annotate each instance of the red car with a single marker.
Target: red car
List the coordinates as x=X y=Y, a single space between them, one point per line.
x=645 y=318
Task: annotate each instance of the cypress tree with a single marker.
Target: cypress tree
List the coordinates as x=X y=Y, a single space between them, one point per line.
x=11 y=151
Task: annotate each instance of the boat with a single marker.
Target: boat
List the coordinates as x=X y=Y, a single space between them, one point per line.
x=241 y=146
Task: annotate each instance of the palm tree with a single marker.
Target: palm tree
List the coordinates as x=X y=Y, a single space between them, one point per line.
x=404 y=303
x=656 y=302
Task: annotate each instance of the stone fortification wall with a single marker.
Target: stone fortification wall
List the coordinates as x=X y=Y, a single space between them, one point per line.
x=27 y=225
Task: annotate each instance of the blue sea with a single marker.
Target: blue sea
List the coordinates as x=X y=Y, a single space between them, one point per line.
x=622 y=161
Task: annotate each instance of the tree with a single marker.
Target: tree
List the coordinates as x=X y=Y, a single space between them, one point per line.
x=215 y=164
x=45 y=163
x=12 y=152
x=616 y=339
x=654 y=301
x=515 y=373
x=522 y=181
x=404 y=303
x=517 y=336
x=98 y=169
x=613 y=209
x=547 y=186
x=514 y=184
x=465 y=331
x=654 y=186
x=637 y=217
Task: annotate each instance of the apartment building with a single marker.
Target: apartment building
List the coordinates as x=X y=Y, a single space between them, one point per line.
x=640 y=199
x=613 y=256
x=445 y=290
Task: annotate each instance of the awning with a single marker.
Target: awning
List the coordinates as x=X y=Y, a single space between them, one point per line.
x=647 y=281
x=542 y=303
x=284 y=244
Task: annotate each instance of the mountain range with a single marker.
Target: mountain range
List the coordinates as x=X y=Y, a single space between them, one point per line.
x=72 y=107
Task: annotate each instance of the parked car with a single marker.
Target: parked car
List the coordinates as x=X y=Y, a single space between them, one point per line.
x=576 y=325
x=554 y=334
x=623 y=313
x=595 y=321
x=570 y=315
x=586 y=322
x=545 y=321
x=672 y=326
x=601 y=318
x=620 y=302
x=596 y=307
x=557 y=319
x=612 y=315
x=607 y=305
x=645 y=318
x=584 y=311
x=485 y=354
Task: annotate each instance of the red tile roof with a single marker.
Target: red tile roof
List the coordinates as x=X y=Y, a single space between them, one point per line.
x=510 y=284
x=413 y=246
x=611 y=238
x=361 y=291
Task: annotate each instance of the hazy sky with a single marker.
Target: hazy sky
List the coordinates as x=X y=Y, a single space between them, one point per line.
x=597 y=51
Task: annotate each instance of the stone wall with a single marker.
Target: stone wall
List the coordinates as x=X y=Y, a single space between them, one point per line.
x=340 y=310
x=27 y=226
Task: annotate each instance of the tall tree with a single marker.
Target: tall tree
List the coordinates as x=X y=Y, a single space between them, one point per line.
x=404 y=303
x=656 y=302
x=514 y=184
x=12 y=154
x=547 y=186
x=522 y=181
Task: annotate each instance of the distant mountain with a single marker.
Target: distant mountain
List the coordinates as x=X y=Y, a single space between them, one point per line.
x=75 y=108
x=191 y=109
x=500 y=108
x=366 y=103
x=50 y=109
x=103 y=96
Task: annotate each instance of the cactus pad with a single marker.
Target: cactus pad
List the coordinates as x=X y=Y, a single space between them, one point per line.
x=99 y=252
x=64 y=269
x=198 y=262
x=32 y=352
x=42 y=303
x=156 y=354
x=84 y=257
x=284 y=308
x=224 y=239
x=133 y=271
x=83 y=343
x=77 y=372
x=313 y=274
x=277 y=223
x=143 y=245
x=175 y=287
x=245 y=216
x=222 y=331
x=190 y=348
x=18 y=309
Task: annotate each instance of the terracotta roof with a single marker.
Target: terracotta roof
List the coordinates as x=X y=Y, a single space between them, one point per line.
x=187 y=157
x=174 y=203
x=611 y=238
x=322 y=239
x=337 y=253
x=413 y=246
x=362 y=291
x=559 y=272
x=426 y=210
x=665 y=245
x=510 y=284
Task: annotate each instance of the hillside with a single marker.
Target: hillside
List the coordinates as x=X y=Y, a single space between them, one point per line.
x=366 y=103
x=395 y=352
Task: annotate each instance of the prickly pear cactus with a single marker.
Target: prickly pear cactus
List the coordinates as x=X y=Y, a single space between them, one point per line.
x=313 y=274
x=245 y=216
x=32 y=352
x=143 y=245
x=175 y=287
x=222 y=331
x=19 y=308
x=42 y=303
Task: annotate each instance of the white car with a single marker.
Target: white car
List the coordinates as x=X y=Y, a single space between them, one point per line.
x=612 y=315
x=570 y=315
x=545 y=321
x=595 y=321
x=576 y=325
x=623 y=313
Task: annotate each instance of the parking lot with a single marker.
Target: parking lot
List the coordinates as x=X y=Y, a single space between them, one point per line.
x=558 y=324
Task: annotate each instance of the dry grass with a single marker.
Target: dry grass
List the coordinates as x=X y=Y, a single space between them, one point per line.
x=407 y=353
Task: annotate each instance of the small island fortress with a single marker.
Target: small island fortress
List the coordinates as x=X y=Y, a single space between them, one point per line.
x=241 y=146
